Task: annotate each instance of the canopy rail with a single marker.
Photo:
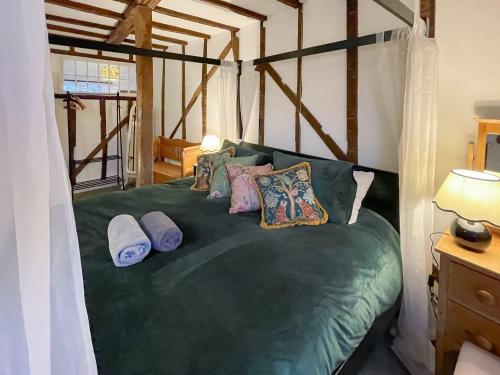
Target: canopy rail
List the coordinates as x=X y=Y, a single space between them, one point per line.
x=69 y=41
x=323 y=48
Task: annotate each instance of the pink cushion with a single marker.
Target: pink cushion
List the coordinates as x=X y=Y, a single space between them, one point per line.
x=244 y=195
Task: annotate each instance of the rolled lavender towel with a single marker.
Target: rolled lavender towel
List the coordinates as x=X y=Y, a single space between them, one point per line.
x=128 y=244
x=162 y=231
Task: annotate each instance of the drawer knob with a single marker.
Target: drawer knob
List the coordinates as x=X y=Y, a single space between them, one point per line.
x=485 y=297
x=483 y=342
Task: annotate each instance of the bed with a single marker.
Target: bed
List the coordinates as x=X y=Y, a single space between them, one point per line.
x=234 y=298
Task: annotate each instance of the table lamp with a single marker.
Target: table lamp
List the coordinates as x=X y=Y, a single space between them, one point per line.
x=210 y=143
x=475 y=198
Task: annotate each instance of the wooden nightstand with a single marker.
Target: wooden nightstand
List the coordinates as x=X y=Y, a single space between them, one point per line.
x=469 y=300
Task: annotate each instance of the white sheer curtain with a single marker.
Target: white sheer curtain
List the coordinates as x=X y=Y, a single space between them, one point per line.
x=227 y=90
x=249 y=83
x=43 y=320
x=408 y=68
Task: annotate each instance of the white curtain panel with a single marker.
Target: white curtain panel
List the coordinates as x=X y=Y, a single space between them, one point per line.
x=417 y=153
x=227 y=90
x=44 y=327
x=249 y=83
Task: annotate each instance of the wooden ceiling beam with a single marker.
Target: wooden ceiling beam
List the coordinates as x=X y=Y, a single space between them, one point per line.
x=94 y=34
x=291 y=3
x=188 y=17
x=125 y=26
x=236 y=9
x=74 y=21
x=90 y=55
x=86 y=8
x=94 y=25
x=179 y=30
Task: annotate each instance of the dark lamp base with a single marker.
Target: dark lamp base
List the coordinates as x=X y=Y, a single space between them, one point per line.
x=471 y=235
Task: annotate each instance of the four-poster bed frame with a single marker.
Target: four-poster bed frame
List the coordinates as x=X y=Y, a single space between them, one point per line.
x=137 y=17
x=144 y=50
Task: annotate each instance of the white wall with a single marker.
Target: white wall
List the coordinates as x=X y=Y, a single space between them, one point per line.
x=467 y=33
x=324 y=81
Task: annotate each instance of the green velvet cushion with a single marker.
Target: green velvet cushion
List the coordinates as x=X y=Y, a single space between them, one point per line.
x=332 y=182
x=262 y=158
x=220 y=186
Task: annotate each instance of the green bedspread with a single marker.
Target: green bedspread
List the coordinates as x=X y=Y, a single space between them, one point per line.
x=234 y=298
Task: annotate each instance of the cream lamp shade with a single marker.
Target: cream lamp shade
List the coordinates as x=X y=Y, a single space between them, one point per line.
x=472 y=195
x=210 y=143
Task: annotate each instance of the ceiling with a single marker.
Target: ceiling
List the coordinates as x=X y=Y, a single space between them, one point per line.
x=192 y=7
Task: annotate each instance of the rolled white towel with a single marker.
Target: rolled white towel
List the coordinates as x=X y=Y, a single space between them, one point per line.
x=128 y=244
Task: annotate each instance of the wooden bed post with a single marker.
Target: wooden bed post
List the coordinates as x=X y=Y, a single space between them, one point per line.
x=104 y=162
x=300 y=37
x=144 y=74
x=204 y=92
x=71 y=113
x=352 y=83
x=183 y=94
x=163 y=96
x=262 y=84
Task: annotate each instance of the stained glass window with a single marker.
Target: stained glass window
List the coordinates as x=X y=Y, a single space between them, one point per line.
x=89 y=76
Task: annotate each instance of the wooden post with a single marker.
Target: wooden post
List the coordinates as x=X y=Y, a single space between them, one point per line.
x=183 y=94
x=104 y=161
x=163 y=97
x=71 y=113
x=352 y=83
x=204 y=92
x=300 y=37
x=235 y=45
x=262 y=84
x=428 y=13
x=144 y=73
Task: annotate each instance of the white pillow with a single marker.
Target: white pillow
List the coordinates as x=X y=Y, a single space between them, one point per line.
x=364 y=181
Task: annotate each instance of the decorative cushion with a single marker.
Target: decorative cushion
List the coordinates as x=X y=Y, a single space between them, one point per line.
x=287 y=198
x=332 y=182
x=262 y=158
x=220 y=186
x=204 y=171
x=363 y=181
x=244 y=194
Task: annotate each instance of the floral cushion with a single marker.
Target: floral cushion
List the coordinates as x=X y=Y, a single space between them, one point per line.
x=244 y=194
x=287 y=198
x=220 y=187
x=204 y=169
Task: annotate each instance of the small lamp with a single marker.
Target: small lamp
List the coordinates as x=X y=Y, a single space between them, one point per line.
x=475 y=198
x=210 y=143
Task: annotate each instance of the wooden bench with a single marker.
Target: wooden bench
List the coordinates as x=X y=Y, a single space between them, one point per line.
x=174 y=158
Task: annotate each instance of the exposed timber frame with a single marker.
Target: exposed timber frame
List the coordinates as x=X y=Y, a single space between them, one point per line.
x=352 y=82
x=353 y=41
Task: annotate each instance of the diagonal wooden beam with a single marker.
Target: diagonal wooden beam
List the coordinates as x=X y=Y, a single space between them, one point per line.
x=188 y=17
x=313 y=121
x=125 y=26
x=291 y=3
x=198 y=90
x=86 y=8
x=100 y=146
x=94 y=34
x=237 y=9
x=94 y=25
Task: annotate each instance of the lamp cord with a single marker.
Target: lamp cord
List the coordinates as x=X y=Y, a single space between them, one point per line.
x=430 y=282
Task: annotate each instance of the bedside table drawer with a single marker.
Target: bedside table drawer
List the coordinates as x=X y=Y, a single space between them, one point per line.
x=465 y=325
x=475 y=290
